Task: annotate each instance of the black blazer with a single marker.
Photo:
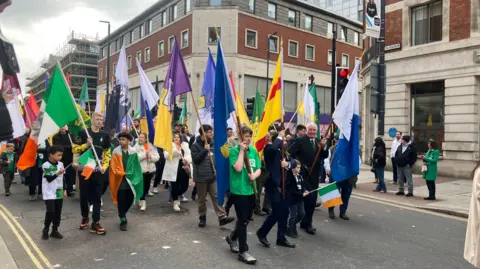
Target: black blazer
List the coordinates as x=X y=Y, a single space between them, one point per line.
x=272 y=156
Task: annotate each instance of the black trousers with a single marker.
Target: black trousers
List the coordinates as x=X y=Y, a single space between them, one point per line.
x=147 y=178
x=431 y=188
x=279 y=215
x=34 y=181
x=53 y=213
x=69 y=178
x=180 y=186
x=309 y=202
x=91 y=193
x=244 y=205
x=125 y=201
x=160 y=165
x=394 y=168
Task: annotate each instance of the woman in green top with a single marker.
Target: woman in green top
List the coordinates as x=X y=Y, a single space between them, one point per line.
x=430 y=160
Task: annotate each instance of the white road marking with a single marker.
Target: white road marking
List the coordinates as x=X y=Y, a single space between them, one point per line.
x=133 y=253
x=57 y=266
x=98 y=260
x=196 y=242
x=166 y=247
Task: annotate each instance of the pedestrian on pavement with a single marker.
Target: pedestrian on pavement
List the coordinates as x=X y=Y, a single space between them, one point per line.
x=242 y=184
x=311 y=152
x=397 y=141
x=471 y=252
x=7 y=167
x=148 y=156
x=273 y=187
x=64 y=140
x=91 y=189
x=405 y=158
x=296 y=191
x=430 y=162
x=122 y=189
x=379 y=162
x=53 y=191
x=177 y=169
x=204 y=177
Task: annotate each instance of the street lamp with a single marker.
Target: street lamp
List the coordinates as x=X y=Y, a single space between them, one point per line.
x=108 y=63
x=268 y=62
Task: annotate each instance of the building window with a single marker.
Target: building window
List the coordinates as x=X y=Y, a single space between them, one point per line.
x=292 y=17
x=329 y=57
x=251 y=5
x=272 y=11
x=215 y=2
x=139 y=56
x=164 y=18
x=330 y=29
x=100 y=76
x=147 y=55
x=171 y=43
x=114 y=68
x=343 y=33
x=121 y=41
x=184 y=39
x=273 y=43
x=308 y=22
x=427 y=115
x=356 y=39
x=293 y=48
x=149 y=27
x=105 y=52
x=310 y=52
x=173 y=12
x=212 y=34
x=188 y=6
x=345 y=60
x=130 y=37
x=427 y=23
x=251 y=39
x=161 y=49
x=114 y=46
x=141 y=31
x=129 y=61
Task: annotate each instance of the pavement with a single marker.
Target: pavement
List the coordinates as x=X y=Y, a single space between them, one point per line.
x=379 y=235
x=453 y=194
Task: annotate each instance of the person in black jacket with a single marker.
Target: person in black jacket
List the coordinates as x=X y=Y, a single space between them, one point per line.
x=295 y=193
x=379 y=162
x=405 y=158
x=64 y=140
x=372 y=9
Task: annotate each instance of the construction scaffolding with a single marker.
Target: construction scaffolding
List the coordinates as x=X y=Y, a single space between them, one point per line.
x=78 y=56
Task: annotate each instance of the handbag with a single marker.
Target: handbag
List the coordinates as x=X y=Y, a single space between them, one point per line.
x=424 y=168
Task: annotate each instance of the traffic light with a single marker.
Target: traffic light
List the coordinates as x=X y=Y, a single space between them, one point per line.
x=250 y=107
x=342 y=81
x=177 y=111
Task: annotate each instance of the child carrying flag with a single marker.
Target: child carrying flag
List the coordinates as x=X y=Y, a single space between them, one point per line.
x=296 y=191
x=7 y=166
x=53 y=191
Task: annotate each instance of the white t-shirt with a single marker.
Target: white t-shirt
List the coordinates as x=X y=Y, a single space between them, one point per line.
x=52 y=190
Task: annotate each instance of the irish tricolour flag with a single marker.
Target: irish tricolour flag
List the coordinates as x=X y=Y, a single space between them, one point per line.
x=330 y=195
x=87 y=160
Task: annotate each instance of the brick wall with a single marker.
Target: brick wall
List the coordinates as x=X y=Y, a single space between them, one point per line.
x=460 y=12
x=389 y=2
x=393 y=30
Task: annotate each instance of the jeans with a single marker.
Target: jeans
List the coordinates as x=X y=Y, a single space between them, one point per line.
x=345 y=189
x=204 y=188
x=405 y=172
x=297 y=212
x=279 y=215
x=125 y=201
x=380 y=172
x=53 y=213
x=91 y=193
x=394 y=168
x=244 y=208
x=147 y=179
x=431 y=188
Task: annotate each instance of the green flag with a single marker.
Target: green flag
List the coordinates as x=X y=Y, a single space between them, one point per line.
x=258 y=108
x=74 y=127
x=313 y=93
x=134 y=176
x=84 y=99
x=183 y=116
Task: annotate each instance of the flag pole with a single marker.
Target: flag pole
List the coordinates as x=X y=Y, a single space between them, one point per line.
x=296 y=111
x=78 y=113
x=203 y=132
x=130 y=117
x=282 y=120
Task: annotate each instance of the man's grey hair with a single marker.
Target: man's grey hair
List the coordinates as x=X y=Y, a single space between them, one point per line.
x=312 y=124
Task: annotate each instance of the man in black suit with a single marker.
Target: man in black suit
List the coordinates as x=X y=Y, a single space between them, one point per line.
x=273 y=188
x=305 y=149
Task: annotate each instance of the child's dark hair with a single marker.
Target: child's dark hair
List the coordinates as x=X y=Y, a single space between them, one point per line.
x=206 y=128
x=246 y=130
x=54 y=149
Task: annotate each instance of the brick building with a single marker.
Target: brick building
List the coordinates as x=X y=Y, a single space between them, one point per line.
x=244 y=27
x=433 y=79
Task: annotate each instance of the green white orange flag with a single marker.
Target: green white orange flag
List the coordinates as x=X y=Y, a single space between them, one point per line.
x=57 y=110
x=87 y=160
x=273 y=106
x=330 y=195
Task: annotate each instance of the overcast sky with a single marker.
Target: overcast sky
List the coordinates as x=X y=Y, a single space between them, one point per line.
x=38 y=27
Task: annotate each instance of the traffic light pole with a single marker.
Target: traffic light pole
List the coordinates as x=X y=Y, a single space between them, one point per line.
x=334 y=74
x=382 y=73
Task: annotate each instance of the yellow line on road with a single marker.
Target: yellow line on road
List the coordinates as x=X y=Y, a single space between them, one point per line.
x=411 y=208
x=22 y=242
x=27 y=236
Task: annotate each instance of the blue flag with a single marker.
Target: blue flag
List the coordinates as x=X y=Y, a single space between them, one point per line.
x=146 y=120
x=223 y=107
x=208 y=83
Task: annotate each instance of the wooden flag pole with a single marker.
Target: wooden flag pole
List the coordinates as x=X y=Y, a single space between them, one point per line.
x=133 y=126
x=289 y=123
x=203 y=132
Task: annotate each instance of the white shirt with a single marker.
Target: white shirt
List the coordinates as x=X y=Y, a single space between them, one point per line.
x=395 y=145
x=51 y=189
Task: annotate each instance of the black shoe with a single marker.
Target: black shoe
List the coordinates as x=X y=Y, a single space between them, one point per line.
x=97 y=228
x=318 y=204
x=266 y=211
x=226 y=221
x=285 y=243
x=331 y=215
x=430 y=198
x=55 y=234
x=246 y=258
x=263 y=239
x=84 y=224
x=7 y=193
x=310 y=230
x=292 y=233
x=72 y=194
x=193 y=197
x=203 y=221
x=409 y=195
x=45 y=234
x=123 y=226
x=400 y=193
x=233 y=244
x=260 y=213
x=344 y=217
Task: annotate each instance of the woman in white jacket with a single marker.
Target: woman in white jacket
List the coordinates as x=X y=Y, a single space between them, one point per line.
x=177 y=170
x=148 y=156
